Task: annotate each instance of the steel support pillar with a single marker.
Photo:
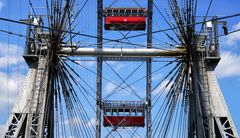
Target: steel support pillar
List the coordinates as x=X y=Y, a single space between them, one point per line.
x=99 y=68
x=37 y=104
x=196 y=126
x=149 y=71
x=223 y=125
x=216 y=41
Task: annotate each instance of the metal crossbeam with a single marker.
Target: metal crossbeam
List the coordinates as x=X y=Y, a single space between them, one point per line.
x=123 y=52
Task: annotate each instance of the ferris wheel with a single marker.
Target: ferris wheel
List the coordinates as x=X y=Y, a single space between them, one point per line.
x=111 y=68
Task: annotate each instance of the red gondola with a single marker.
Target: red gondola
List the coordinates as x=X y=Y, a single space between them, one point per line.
x=125 y=19
x=123 y=113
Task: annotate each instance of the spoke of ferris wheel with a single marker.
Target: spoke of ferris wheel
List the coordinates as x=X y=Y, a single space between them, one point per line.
x=70 y=86
x=59 y=102
x=117 y=84
x=146 y=75
x=175 y=119
x=164 y=116
x=174 y=31
x=62 y=128
x=163 y=90
x=21 y=35
x=117 y=89
x=56 y=107
x=70 y=27
x=129 y=42
x=103 y=77
x=176 y=15
x=126 y=38
x=67 y=105
x=64 y=16
x=70 y=35
x=174 y=100
x=164 y=43
x=65 y=88
x=181 y=116
x=73 y=19
x=135 y=132
x=86 y=114
x=128 y=86
x=119 y=40
x=171 y=85
x=170 y=73
x=84 y=95
x=56 y=13
x=32 y=8
x=124 y=35
x=209 y=6
x=77 y=82
x=162 y=108
x=80 y=10
x=171 y=23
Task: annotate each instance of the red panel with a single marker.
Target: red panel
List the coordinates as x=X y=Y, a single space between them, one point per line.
x=125 y=23
x=123 y=121
x=124 y=19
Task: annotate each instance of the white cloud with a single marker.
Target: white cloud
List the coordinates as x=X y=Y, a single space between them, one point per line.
x=233 y=38
x=1 y=129
x=75 y=121
x=89 y=63
x=110 y=87
x=10 y=85
x=11 y=82
x=120 y=66
x=86 y=62
x=91 y=123
x=111 y=62
x=156 y=77
x=229 y=65
x=162 y=86
x=123 y=90
x=1 y=5
x=10 y=55
x=9 y=88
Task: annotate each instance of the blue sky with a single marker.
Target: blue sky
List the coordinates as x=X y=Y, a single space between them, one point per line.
x=12 y=47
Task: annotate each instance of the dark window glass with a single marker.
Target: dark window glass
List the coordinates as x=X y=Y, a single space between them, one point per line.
x=115 y=12
x=141 y=13
x=134 y=12
x=122 y=12
x=127 y=112
x=108 y=112
x=128 y=12
x=114 y=112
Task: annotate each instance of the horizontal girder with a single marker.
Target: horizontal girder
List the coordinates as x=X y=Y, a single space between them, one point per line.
x=123 y=52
